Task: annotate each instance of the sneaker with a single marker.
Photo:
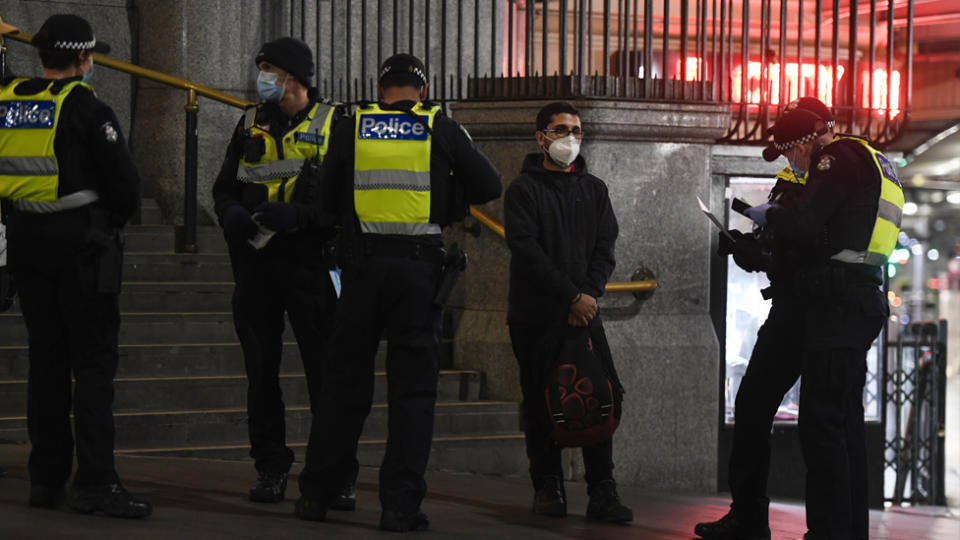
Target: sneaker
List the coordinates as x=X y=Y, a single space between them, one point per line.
x=346 y=500
x=393 y=520
x=310 y=509
x=47 y=497
x=729 y=528
x=111 y=499
x=550 y=499
x=605 y=504
x=269 y=487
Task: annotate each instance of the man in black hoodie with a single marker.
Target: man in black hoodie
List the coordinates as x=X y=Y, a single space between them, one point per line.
x=561 y=232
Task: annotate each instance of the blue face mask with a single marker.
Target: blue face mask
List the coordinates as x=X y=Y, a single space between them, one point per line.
x=88 y=75
x=267 y=87
x=797 y=171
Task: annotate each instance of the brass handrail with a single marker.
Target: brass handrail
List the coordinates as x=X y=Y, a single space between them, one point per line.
x=153 y=75
x=613 y=286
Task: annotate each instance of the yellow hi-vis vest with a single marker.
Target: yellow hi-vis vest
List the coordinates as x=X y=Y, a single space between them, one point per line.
x=279 y=166
x=787 y=174
x=29 y=174
x=391 y=178
x=889 y=212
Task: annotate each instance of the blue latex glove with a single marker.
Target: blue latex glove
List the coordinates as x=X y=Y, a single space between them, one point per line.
x=277 y=216
x=237 y=225
x=758 y=213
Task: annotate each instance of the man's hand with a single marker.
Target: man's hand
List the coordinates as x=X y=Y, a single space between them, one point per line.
x=573 y=320
x=237 y=224
x=277 y=216
x=584 y=308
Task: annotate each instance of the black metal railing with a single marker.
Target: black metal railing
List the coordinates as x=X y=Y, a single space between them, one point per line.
x=751 y=55
x=914 y=414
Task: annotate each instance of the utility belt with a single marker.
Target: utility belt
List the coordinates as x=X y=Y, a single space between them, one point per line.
x=823 y=281
x=388 y=247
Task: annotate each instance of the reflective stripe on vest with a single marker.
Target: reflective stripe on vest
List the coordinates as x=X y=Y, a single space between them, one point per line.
x=28 y=127
x=310 y=138
x=787 y=175
x=67 y=202
x=886 y=228
x=391 y=178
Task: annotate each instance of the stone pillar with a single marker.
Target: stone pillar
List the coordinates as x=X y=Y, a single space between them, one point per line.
x=209 y=42
x=655 y=159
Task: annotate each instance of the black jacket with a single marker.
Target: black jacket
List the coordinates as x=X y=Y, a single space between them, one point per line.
x=91 y=154
x=460 y=174
x=314 y=227
x=561 y=231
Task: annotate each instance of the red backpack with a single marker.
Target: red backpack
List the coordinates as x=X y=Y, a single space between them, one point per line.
x=582 y=399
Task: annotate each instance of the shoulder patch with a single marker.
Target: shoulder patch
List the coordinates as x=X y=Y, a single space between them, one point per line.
x=826 y=161
x=109 y=132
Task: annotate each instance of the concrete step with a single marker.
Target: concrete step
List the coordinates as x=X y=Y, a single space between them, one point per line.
x=225 y=430
x=135 y=328
x=160 y=239
x=223 y=392
x=184 y=360
x=150 y=213
x=178 y=297
x=176 y=267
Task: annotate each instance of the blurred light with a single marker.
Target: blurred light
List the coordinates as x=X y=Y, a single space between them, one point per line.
x=891 y=295
x=933 y=283
x=953 y=197
x=901 y=162
x=891 y=270
x=933 y=254
x=953 y=266
x=918 y=180
x=900 y=256
x=903 y=238
x=917 y=249
x=896 y=302
x=904 y=319
x=936 y=196
x=909 y=208
x=939 y=225
x=893 y=318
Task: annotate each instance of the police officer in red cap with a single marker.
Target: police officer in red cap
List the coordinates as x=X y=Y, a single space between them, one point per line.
x=69 y=184
x=844 y=225
x=774 y=362
x=396 y=175
x=280 y=246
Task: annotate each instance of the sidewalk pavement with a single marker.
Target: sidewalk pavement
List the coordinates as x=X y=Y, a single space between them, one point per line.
x=200 y=498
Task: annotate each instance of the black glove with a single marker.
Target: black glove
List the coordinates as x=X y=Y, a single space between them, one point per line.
x=277 y=216
x=237 y=224
x=750 y=255
x=726 y=245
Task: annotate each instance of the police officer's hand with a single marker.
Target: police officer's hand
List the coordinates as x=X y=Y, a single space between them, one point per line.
x=237 y=224
x=726 y=246
x=584 y=307
x=759 y=213
x=750 y=255
x=277 y=216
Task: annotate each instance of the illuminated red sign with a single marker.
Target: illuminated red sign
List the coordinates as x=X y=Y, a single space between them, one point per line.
x=801 y=79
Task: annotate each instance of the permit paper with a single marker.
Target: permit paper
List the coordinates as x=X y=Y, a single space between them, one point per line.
x=714 y=219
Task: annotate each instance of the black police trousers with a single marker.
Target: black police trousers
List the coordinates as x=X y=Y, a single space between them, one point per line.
x=536 y=348
x=773 y=369
x=266 y=287
x=390 y=296
x=72 y=330
x=839 y=332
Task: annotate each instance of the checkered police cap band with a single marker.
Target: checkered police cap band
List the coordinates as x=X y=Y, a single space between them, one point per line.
x=75 y=45
x=410 y=69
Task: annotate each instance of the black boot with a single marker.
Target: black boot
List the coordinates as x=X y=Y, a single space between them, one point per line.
x=310 y=509
x=47 y=496
x=269 y=487
x=346 y=500
x=550 y=499
x=111 y=499
x=395 y=521
x=730 y=528
x=605 y=503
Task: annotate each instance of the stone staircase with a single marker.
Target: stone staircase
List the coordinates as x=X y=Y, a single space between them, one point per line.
x=181 y=388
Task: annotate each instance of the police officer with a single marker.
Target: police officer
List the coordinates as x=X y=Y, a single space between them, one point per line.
x=279 y=245
x=845 y=223
x=69 y=185
x=774 y=363
x=397 y=174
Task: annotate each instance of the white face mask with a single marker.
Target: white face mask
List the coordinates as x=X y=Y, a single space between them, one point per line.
x=564 y=151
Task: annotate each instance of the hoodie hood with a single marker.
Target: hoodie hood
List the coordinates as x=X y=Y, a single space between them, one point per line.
x=533 y=165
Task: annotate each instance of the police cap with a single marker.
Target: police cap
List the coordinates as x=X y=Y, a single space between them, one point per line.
x=65 y=32
x=796 y=126
x=403 y=69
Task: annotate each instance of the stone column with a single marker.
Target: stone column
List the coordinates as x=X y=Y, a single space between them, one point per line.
x=209 y=42
x=655 y=159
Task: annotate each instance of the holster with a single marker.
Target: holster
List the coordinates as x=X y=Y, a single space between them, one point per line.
x=454 y=263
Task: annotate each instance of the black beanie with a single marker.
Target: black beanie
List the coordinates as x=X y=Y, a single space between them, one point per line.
x=290 y=55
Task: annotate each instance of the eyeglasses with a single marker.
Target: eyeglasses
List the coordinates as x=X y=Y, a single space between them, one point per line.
x=563 y=131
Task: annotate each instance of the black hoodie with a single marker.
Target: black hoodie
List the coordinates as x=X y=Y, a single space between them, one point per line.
x=561 y=232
